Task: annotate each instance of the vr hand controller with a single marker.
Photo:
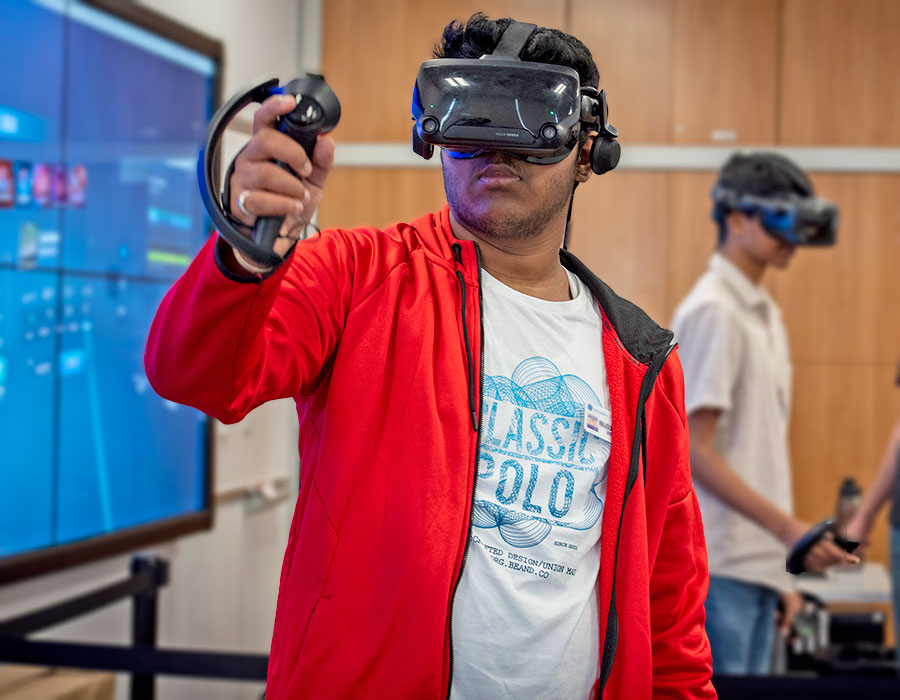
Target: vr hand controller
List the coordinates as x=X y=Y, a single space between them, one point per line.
x=317 y=112
x=809 y=540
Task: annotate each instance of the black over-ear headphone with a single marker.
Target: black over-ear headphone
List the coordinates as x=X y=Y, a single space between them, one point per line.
x=605 y=151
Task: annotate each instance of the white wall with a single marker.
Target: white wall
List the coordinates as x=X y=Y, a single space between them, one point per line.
x=224 y=582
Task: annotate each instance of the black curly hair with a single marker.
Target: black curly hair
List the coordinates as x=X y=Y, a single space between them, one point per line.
x=764 y=174
x=479 y=35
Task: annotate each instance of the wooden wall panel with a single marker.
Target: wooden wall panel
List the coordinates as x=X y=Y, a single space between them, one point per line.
x=676 y=72
x=839 y=73
x=841 y=304
x=630 y=41
x=842 y=417
x=724 y=71
x=620 y=230
x=371 y=52
x=691 y=233
x=379 y=196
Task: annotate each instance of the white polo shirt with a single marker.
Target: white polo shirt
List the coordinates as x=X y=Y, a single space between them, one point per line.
x=734 y=350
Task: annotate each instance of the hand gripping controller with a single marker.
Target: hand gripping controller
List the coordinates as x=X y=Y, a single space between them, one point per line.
x=810 y=539
x=317 y=112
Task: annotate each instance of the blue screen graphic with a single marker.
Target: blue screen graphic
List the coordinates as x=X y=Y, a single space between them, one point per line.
x=100 y=124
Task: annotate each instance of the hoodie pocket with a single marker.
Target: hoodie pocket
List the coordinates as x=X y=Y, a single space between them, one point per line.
x=308 y=563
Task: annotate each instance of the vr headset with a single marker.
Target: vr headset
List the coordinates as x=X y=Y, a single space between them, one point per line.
x=498 y=102
x=801 y=221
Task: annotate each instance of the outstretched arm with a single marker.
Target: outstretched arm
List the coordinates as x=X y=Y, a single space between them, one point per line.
x=876 y=496
x=228 y=338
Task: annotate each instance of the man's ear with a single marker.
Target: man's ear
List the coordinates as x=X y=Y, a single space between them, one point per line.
x=736 y=223
x=583 y=169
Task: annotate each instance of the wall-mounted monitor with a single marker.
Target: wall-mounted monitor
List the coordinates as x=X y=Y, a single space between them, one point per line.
x=103 y=109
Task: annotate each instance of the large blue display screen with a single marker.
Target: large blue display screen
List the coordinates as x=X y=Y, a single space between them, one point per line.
x=100 y=124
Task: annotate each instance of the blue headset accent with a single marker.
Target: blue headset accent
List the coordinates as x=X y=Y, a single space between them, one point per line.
x=797 y=220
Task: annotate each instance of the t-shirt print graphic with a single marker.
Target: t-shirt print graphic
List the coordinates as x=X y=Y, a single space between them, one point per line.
x=538 y=468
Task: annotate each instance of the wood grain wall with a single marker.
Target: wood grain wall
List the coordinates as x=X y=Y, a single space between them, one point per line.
x=781 y=72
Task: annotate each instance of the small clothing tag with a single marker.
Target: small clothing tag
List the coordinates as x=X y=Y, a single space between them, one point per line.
x=597 y=421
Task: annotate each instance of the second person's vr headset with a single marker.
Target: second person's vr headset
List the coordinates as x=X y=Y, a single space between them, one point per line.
x=534 y=111
x=807 y=221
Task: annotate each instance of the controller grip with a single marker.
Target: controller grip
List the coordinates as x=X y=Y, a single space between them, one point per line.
x=305 y=137
x=796 y=556
x=265 y=231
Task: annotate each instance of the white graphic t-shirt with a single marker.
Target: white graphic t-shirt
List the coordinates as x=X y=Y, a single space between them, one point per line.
x=524 y=618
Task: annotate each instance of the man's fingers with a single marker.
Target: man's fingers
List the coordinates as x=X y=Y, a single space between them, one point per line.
x=259 y=203
x=837 y=555
x=268 y=145
x=268 y=176
x=814 y=562
x=322 y=160
x=818 y=558
x=264 y=189
x=825 y=554
x=292 y=230
x=272 y=108
x=792 y=603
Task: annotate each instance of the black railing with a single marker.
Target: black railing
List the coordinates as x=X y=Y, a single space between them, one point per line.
x=142 y=660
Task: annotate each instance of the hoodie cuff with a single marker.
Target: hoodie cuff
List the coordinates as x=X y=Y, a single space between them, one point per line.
x=223 y=248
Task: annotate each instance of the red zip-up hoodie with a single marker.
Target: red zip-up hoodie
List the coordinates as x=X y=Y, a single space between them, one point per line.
x=377 y=337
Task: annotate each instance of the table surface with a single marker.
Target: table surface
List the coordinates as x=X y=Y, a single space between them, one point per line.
x=867 y=583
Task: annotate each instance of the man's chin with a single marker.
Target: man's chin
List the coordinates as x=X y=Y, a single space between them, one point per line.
x=783 y=260
x=493 y=219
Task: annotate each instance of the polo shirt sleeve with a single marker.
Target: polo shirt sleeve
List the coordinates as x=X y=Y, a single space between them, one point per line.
x=710 y=345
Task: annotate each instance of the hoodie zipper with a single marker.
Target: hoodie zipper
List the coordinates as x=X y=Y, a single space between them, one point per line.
x=476 y=423
x=611 y=642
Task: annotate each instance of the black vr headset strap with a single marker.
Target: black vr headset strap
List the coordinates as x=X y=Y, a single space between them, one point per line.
x=514 y=38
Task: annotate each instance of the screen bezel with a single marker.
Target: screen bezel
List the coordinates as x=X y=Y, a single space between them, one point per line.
x=54 y=558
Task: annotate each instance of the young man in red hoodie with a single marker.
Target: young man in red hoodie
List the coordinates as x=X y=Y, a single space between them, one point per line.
x=495 y=497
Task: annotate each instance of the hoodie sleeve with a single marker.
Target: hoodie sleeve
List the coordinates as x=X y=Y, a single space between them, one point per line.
x=682 y=662
x=225 y=345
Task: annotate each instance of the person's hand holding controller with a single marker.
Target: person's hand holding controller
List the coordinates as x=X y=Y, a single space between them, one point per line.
x=260 y=188
x=823 y=555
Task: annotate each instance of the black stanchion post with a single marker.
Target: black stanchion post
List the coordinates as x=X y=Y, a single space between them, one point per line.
x=155 y=571
x=142 y=659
